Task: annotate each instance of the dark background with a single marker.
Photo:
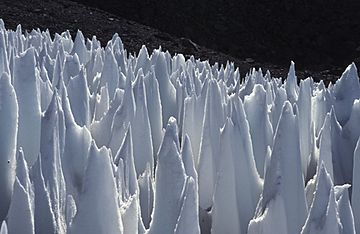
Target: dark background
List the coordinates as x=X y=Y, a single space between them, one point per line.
x=321 y=36
x=311 y=32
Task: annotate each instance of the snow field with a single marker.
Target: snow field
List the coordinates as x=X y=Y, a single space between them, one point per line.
x=96 y=140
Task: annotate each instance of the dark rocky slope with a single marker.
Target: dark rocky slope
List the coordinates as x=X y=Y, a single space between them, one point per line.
x=62 y=15
x=320 y=32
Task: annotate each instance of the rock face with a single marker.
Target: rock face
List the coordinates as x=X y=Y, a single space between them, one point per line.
x=96 y=140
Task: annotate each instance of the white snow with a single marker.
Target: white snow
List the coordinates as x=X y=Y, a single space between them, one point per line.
x=98 y=213
x=284 y=181
x=323 y=215
x=8 y=143
x=20 y=209
x=260 y=127
x=96 y=140
x=27 y=93
x=355 y=198
x=225 y=213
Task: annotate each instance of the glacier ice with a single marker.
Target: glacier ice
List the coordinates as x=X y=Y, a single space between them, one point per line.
x=96 y=140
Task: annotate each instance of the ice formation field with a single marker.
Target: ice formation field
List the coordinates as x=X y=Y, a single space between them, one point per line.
x=93 y=140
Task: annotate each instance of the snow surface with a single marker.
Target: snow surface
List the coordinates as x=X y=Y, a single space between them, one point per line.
x=96 y=140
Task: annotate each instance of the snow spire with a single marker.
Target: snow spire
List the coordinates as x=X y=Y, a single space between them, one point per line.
x=78 y=94
x=101 y=213
x=4 y=63
x=20 y=209
x=350 y=134
x=225 y=213
x=25 y=84
x=166 y=88
x=291 y=84
x=261 y=130
x=71 y=67
x=344 y=208
x=146 y=196
x=284 y=175
x=247 y=180
x=130 y=214
x=272 y=220
x=143 y=60
x=76 y=150
x=280 y=98
x=102 y=104
x=304 y=105
x=126 y=154
x=323 y=216
x=188 y=160
x=170 y=180
x=193 y=114
x=8 y=135
x=188 y=221
x=57 y=75
x=153 y=102
x=325 y=154
x=3 y=229
x=79 y=48
x=123 y=116
x=22 y=172
x=346 y=90
x=210 y=145
x=336 y=149
x=101 y=130
x=355 y=198
x=43 y=214
x=143 y=146
x=51 y=162
x=110 y=72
